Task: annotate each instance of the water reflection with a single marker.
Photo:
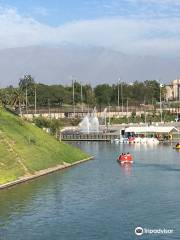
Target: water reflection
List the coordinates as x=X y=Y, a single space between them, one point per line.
x=143 y=146
x=23 y=197
x=99 y=199
x=126 y=168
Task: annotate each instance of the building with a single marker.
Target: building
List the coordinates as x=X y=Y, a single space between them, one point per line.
x=161 y=132
x=173 y=90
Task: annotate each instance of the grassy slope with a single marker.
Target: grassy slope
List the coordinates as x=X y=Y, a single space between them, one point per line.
x=25 y=149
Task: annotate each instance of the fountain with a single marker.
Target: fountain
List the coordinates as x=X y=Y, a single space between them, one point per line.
x=89 y=123
x=84 y=125
x=94 y=124
x=104 y=116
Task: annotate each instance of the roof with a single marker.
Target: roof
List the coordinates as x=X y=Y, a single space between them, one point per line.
x=151 y=129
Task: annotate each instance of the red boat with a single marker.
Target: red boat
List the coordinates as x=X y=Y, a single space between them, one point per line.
x=131 y=139
x=125 y=158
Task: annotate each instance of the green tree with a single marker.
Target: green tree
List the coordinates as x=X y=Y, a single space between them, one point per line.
x=89 y=95
x=17 y=99
x=26 y=82
x=104 y=94
x=151 y=90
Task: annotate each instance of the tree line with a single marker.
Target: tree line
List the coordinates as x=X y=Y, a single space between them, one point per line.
x=28 y=91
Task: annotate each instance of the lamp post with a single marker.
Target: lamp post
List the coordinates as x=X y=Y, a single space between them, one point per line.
x=35 y=98
x=109 y=115
x=160 y=99
x=49 y=108
x=82 y=98
x=73 y=97
x=105 y=116
x=122 y=107
x=26 y=100
x=178 y=97
x=127 y=108
x=118 y=91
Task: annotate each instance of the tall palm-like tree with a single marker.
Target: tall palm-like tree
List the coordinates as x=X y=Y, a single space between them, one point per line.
x=6 y=95
x=27 y=84
x=17 y=99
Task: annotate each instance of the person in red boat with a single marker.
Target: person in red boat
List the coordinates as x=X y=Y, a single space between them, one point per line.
x=125 y=157
x=129 y=156
x=121 y=156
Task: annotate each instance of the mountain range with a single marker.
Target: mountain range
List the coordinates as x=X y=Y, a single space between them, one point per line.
x=95 y=65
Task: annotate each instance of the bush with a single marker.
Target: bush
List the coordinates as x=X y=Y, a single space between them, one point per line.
x=133 y=114
x=42 y=122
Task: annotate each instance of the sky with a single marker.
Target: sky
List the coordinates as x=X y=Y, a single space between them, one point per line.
x=140 y=27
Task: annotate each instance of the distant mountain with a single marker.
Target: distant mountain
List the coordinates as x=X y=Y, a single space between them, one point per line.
x=90 y=65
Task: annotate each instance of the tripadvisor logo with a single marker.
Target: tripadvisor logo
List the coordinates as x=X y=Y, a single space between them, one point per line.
x=139 y=231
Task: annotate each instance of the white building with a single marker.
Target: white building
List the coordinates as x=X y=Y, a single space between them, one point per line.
x=173 y=90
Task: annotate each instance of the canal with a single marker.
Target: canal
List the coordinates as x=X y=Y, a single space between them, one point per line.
x=99 y=199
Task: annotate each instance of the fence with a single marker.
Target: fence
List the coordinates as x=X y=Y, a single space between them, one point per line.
x=88 y=137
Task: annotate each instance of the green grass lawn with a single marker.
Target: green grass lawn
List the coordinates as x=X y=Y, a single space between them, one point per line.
x=36 y=149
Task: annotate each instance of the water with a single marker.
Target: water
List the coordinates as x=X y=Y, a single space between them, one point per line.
x=98 y=199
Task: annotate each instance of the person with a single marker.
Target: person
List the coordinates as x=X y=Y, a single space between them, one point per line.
x=177 y=145
x=121 y=155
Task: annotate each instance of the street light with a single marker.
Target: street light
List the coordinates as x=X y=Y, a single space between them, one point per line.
x=118 y=91
x=35 y=98
x=26 y=100
x=73 y=98
x=122 y=107
x=178 y=97
x=127 y=108
x=73 y=94
x=160 y=99
x=109 y=115
x=81 y=98
x=49 y=108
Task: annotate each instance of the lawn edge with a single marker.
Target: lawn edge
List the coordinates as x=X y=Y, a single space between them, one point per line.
x=42 y=173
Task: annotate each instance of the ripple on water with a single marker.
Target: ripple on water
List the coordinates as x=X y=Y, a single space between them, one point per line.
x=98 y=199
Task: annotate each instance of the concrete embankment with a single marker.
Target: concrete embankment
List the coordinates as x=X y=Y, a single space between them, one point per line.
x=42 y=173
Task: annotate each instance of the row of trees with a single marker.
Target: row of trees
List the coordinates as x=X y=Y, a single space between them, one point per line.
x=147 y=92
x=17 y=97
x=29 y=93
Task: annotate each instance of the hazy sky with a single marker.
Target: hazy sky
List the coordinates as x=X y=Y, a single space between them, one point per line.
x=131 y=26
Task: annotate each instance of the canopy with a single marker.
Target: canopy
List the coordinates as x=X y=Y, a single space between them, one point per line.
x=151 y=129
